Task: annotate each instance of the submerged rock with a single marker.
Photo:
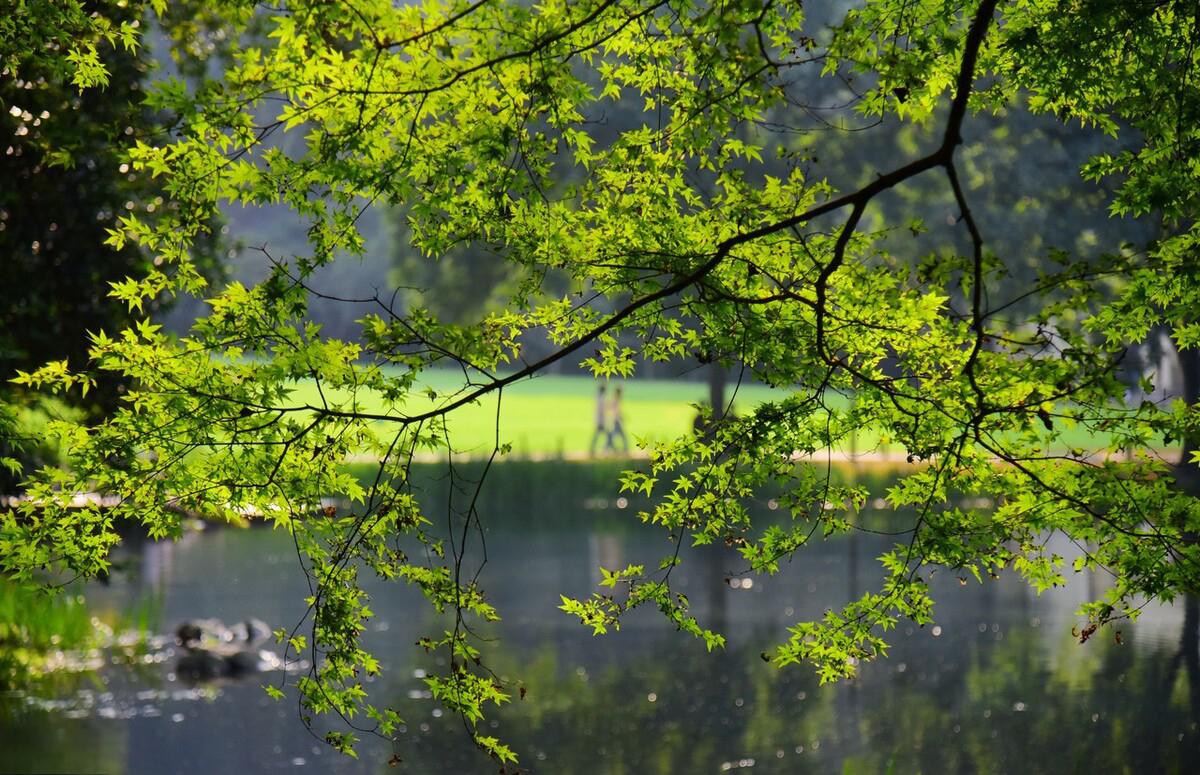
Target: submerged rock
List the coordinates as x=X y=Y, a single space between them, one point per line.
x=201 y=666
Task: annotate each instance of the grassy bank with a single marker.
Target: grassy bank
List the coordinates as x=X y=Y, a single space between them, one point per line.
x=555 y=415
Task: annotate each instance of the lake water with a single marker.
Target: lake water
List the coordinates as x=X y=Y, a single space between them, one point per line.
x=999 y=685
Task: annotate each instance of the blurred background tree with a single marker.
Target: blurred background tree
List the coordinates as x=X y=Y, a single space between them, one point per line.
x=67 y=124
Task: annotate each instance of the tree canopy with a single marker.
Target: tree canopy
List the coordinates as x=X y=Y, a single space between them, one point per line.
x=705 y=226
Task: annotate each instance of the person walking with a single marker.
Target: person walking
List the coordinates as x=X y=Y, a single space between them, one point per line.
x=601 y=422
x=616 y=428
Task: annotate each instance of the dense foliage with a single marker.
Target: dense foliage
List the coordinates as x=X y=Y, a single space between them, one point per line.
x=486 y=120
x=71 y=104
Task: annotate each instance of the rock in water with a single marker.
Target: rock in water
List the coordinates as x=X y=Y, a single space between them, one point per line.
x=214 y=651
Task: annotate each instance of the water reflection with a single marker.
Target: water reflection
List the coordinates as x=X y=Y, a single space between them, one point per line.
x=999 y=685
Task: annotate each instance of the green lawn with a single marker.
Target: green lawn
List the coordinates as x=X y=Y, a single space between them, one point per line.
x=554 y=415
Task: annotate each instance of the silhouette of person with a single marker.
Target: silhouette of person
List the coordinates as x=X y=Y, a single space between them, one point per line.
x=601 y=422
x=616 y=429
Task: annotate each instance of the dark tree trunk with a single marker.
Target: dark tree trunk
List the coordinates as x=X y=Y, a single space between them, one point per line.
x=717 y=377
x=8 y=480
x=1186 y=472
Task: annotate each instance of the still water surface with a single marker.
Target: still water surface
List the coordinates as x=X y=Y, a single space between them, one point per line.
x=1000 y=685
